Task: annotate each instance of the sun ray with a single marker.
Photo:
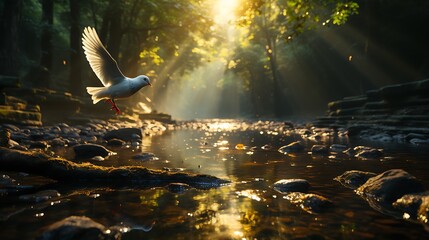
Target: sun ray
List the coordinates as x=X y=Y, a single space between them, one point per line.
x=224 y=11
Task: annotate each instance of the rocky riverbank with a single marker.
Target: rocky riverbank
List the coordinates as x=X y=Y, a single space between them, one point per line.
x=392 y=113
x=21 y=105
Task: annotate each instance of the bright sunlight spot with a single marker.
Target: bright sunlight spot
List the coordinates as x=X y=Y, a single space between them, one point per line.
x=224 y=11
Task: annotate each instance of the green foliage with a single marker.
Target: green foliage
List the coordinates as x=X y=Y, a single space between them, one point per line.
x=343 y=11
x=271 y=25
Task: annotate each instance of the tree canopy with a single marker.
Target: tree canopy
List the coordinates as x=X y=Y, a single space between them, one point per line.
x=260 y=48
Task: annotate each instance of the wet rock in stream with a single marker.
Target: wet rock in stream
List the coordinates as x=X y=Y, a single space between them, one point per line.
x=364 y=152
x=337 y=148
x=311 y=203
x=292 y=148
x=394 y=192
x=177 y=187
x=78 y=228
x=354 y=178
x=90 y=150
x=125 y=134
x=39 y=196
x=414 y=206
x=319 y=150
x=388 y=186
x=145 y=157
x=369 y=154
x=291 y=185
x=6 y=181
x=114 y=142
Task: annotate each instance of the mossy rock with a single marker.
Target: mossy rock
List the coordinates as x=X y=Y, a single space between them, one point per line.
x=8 y=115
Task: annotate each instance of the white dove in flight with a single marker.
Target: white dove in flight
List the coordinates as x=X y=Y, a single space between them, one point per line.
x=116 y=85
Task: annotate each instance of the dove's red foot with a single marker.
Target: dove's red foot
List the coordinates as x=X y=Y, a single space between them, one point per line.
x=114 y=107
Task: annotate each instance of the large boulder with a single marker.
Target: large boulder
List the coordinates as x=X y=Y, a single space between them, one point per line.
x=125 y=134
x=78 y=228
x=389 y=186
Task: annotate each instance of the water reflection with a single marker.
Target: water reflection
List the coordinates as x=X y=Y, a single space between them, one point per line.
x=246 y=154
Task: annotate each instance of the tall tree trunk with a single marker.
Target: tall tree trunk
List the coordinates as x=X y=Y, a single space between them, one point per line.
x=278 y=104
x=9 y=50
x=75 y=59
x=111 y=27
x=46 y=43
x=115 y=30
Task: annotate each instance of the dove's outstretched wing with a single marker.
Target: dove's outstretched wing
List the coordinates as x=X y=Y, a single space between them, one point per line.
x=100 y=60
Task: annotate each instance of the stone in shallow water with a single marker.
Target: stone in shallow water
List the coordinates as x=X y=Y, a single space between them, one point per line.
x=97 y=158
x=311 y=203
x=364 y=152
x=387 y=187
x=40 y=196
x=114 y=142
x=39 y=144
x=78 y=228
x=125 y=134
x=90 y=150
x=145 y=157
x=291 y=185
x=6 y=181
x=177 y=187
x=292 y=148
x=338 y=148
x=354 y=178
x=319 y=150
x=414 y=206
x=369 y=154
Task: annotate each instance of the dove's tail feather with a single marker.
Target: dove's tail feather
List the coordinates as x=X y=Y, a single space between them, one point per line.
x=93 y=91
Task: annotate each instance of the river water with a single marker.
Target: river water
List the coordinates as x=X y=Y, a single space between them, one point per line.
x=248 y=208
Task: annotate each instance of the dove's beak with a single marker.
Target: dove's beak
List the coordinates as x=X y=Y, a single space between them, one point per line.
x=150 y=85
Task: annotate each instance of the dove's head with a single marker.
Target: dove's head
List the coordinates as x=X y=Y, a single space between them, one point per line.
x=143 y=80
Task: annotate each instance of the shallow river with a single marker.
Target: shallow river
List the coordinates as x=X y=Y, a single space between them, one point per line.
x=249 y=208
